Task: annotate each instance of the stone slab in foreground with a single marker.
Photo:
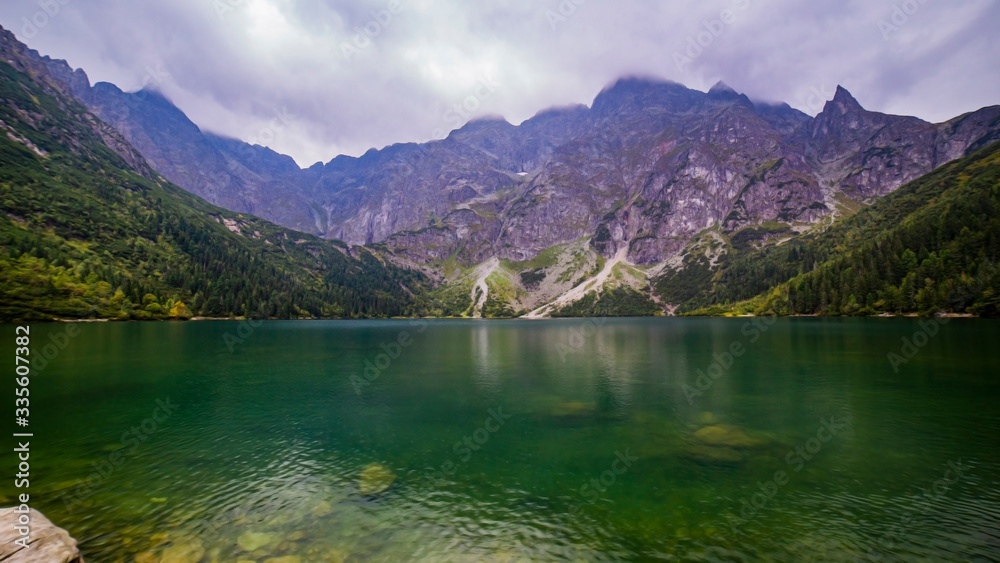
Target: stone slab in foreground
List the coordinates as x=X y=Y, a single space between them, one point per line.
x=48 y=543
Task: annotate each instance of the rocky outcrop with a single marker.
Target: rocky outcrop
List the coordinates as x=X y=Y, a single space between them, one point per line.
x=57 y=78
x=47 y=543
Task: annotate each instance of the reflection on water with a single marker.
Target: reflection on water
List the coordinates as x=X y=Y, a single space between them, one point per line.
x=517 y=441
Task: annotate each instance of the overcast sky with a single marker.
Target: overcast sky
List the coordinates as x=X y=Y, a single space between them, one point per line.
x=317 y=78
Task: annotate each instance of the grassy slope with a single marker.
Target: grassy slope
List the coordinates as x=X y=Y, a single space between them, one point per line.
x=930 y=246
x=83 y=236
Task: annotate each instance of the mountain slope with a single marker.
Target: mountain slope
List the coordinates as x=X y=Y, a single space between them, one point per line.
x=665 y=160
x=671 y=181
x=88 y=231
x=931 y=246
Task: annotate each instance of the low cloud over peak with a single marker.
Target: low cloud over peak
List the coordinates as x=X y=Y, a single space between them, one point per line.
x=317 y=78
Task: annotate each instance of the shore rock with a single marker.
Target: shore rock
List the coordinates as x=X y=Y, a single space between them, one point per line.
x=48 y=543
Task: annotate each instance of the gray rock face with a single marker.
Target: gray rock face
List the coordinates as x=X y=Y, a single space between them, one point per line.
x=648 y=166
x=57 y=77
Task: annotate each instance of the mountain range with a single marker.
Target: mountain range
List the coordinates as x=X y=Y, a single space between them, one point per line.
x=637 y=201
x=90 y=230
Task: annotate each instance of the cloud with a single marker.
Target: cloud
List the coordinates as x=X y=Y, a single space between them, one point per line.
x=342 y=76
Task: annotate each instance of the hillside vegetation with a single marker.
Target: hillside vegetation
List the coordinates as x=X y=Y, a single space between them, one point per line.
x=83 y=235
x=929 y=247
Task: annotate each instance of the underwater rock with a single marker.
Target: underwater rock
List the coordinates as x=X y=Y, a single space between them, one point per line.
x=159 y=539
x=280 y=520
x=727 y=436
x=573 y=408
x=375 y=478
x=335 y=556
x=706 y=417
x=183 y=552
x=284 y=559
x=711 y=454
x=252 y=541
x=322 y=509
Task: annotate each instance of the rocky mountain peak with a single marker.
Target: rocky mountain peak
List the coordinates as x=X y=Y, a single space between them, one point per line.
x=580 y=110
x=722 y=93
x=482 y=125
x=77 y=80
x=636 y=94
x=840 y=120
x=843 y=102
x=721 y=87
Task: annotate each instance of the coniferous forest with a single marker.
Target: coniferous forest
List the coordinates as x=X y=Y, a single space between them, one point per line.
x=931 y=246
x=84 y=235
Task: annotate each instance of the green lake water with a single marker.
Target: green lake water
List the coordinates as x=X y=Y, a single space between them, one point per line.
x=561 y=440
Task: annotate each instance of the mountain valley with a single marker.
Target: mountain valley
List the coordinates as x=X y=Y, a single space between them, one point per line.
x=636 y=205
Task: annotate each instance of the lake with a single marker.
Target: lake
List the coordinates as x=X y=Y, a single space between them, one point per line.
x=578 y=440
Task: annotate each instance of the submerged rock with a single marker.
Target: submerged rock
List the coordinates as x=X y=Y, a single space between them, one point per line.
x=573 y=408
x=710 y=454
x=159 y=538
x=322 y=509
x=48 y=542
x=284 y=559
x=335 y=555
x=375 y=478
x=183 y=552
x=706 y=417
x=727 y=436
x=252 y=541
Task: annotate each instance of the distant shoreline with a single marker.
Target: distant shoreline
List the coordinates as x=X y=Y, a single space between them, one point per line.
x=209 y=319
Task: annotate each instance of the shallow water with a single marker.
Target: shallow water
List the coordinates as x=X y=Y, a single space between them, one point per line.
x=601 y=455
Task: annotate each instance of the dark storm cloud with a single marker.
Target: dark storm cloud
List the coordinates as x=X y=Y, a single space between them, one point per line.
x=317 y=78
